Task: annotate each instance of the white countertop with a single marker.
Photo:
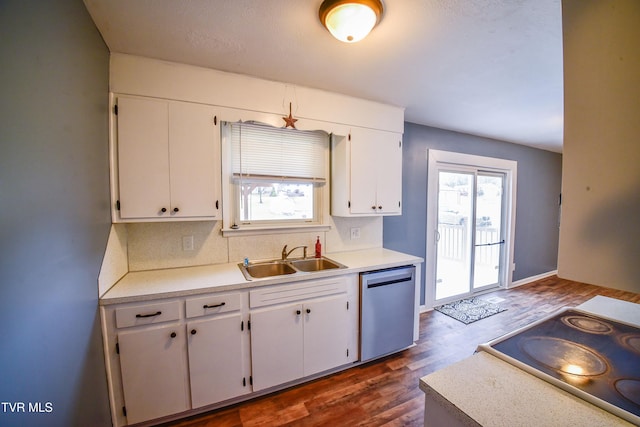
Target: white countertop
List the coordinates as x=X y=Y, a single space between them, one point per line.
x=484 y=390
x=172 y=282
x=614 y=309
x=492 y=392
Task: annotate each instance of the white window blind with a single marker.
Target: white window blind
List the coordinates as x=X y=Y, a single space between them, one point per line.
x=265 y=152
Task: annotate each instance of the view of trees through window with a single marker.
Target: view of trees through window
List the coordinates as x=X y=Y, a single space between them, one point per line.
x=262 y=201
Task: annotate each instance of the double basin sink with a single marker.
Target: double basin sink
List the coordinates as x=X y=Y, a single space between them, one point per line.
x=264 y=269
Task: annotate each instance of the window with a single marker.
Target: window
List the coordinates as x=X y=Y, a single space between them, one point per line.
x=276 y=175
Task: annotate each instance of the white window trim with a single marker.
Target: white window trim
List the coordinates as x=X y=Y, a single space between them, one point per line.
x=322 y=223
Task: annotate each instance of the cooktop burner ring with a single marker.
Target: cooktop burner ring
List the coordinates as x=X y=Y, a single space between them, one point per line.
x=631 y=342
x=587 y=324
x=564 y=357
x=629 y=389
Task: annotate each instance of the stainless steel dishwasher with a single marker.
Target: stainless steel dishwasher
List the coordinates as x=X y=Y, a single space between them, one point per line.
x=387 y=301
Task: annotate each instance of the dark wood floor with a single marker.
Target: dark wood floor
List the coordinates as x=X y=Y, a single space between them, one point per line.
x=386 y=392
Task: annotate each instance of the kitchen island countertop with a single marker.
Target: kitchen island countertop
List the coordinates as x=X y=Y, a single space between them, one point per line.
x=483 y=390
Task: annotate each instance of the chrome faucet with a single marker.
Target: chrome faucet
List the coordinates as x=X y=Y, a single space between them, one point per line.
x=285 y=254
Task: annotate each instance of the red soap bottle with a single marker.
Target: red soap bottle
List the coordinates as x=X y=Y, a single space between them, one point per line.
x=318 y=248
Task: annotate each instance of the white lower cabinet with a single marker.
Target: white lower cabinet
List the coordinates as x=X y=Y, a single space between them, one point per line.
x=175 y=355
x=276 y=346
x=325 y=334
x=153 y=362
x=295 y=340
x=216 y=360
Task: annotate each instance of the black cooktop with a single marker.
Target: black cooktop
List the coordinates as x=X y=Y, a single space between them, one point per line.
x=595 y=358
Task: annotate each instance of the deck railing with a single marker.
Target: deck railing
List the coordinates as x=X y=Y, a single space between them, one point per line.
x=453 y=243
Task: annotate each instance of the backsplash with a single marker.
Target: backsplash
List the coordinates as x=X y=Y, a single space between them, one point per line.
x=159 y=245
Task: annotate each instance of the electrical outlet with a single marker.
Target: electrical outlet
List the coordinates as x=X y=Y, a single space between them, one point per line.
x=355 y=233
x=187 y=243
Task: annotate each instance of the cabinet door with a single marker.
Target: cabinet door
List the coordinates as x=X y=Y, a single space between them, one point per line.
x=389 y=177
x=143 y=157
x=194 y=153
x=216 y=360
x=376 y=173
x=154 y=372
x=325 y=334
x=364 y=170
x=276 y=346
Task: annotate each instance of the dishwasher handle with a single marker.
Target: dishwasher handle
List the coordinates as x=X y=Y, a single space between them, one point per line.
x=388 y=282
x=388 y=278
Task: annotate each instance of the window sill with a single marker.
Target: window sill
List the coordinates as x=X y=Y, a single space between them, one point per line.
x=256 y=231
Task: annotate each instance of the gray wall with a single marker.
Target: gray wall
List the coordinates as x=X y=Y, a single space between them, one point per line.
x=537 y=213
x=54 y=222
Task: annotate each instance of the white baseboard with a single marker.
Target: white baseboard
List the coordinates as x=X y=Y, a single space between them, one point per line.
x=532 y=279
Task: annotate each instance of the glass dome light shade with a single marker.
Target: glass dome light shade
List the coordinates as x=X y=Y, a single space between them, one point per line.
x=350 y=22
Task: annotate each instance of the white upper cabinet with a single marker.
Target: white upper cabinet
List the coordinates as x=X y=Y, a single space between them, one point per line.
x=366 y=177
x=194 y=153
x=165 y=140
x=143 y=160
x=168 y=161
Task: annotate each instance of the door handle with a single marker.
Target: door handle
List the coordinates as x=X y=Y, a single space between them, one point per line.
x=491 y=244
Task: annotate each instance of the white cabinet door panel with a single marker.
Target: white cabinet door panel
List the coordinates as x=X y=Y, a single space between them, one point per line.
x=364 y=170
x=325 y=334
x=143 y=157
x=154 y=372
x=216 y=362
x=276 y=350
x=194 y=151
x=389 y=179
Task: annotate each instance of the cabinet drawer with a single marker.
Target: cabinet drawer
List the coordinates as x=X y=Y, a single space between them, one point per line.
x=147 y=313
x=213 y=304
x=294 y=292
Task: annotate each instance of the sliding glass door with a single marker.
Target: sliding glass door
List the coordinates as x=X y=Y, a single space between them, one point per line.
x=470 y=233
x=488 y=233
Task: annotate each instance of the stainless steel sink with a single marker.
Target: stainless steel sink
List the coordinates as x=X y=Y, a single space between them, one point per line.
x=267 y=269
x=261 y=270
x=315 y=264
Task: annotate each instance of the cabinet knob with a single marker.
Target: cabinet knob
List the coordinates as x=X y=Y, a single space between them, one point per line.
x=298 y=312
x=163 y=210
x=373 y=207
x=308 y=310
x=176 y=209
x=173 y=335
x=380 y=207
x=193 y=332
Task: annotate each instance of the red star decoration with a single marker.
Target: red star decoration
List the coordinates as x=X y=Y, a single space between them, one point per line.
x=290 y=121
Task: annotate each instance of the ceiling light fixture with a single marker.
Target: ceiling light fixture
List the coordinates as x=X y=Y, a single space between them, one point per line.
x=350 y=20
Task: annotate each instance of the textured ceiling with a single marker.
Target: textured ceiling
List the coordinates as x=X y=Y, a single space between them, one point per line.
x=486 y=67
